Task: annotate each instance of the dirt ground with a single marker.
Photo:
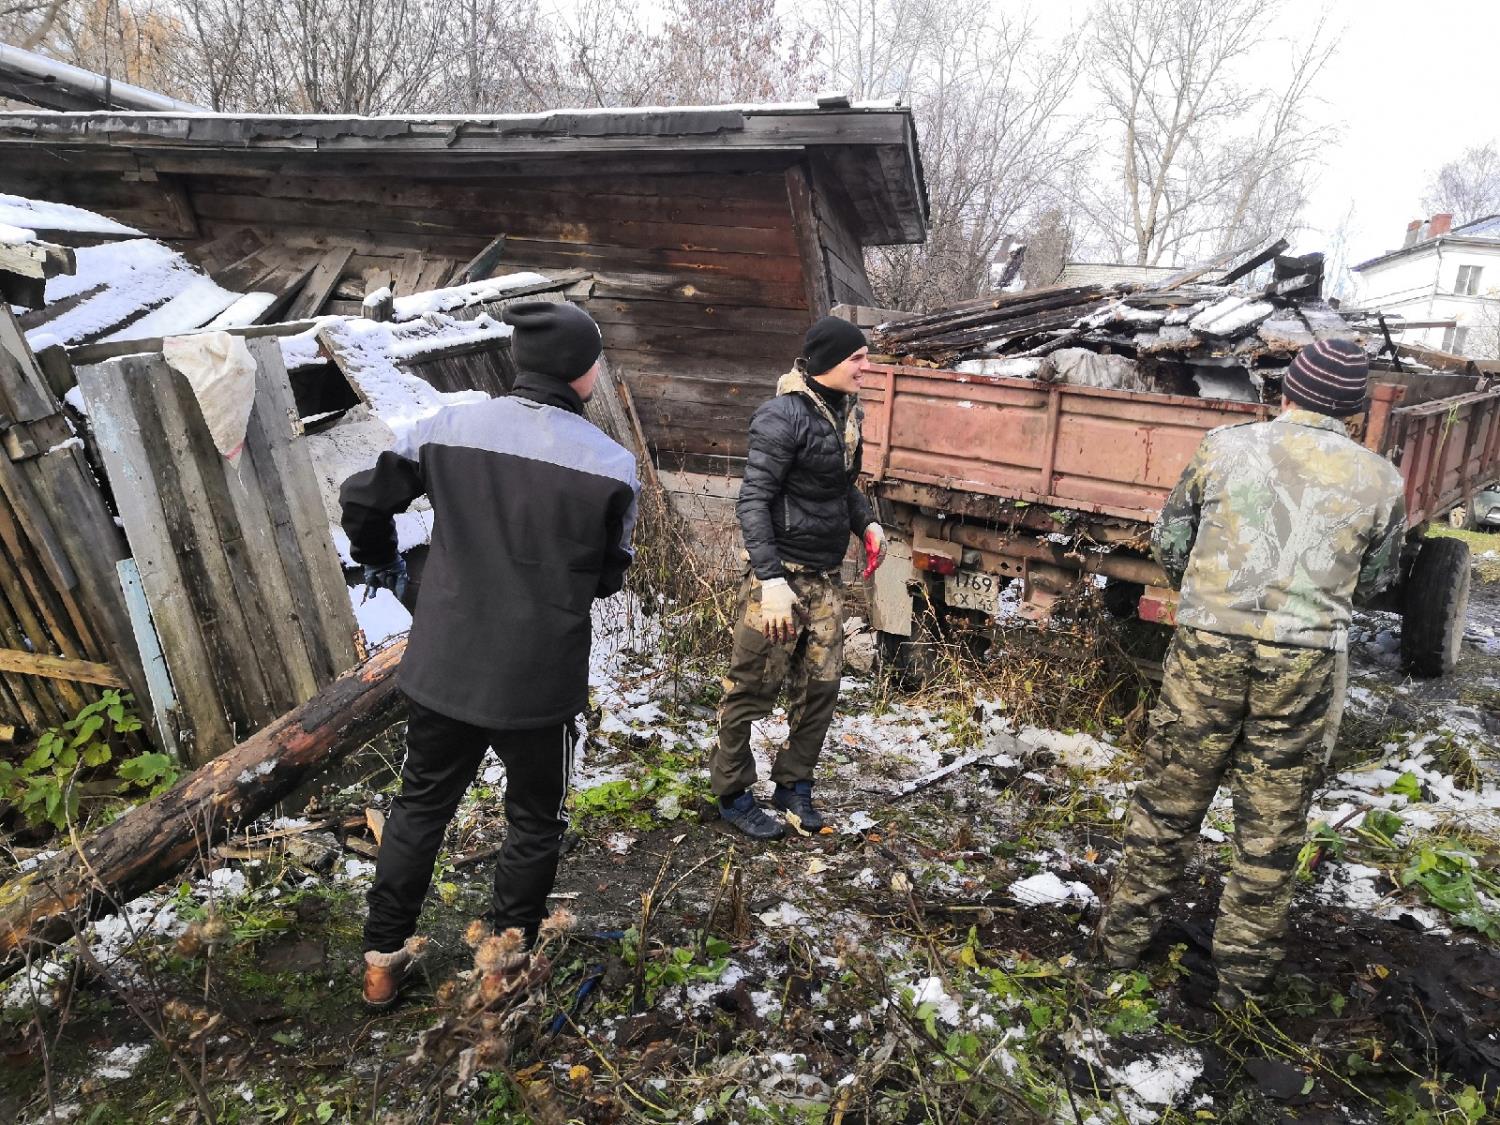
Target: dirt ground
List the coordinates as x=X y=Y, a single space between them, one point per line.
x=926 y=961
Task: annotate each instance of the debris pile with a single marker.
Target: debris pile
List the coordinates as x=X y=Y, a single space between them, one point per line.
x=1183 y=336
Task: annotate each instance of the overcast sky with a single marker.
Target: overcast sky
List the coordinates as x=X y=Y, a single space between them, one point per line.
x=1411 y=86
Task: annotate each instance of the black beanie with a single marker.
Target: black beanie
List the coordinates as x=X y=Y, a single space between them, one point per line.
x=829 y=342
x=1330 y=377
x=553 y=338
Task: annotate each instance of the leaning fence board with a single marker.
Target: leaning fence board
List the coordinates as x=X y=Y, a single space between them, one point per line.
x=58 y=668
x=235 y=559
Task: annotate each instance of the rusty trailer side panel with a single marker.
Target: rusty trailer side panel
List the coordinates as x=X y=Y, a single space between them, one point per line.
x=1447 y=450
x=1113 y=453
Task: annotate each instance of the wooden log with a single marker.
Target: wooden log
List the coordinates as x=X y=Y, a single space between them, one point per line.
x=153 y=842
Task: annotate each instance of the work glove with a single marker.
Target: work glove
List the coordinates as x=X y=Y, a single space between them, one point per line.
x=874 y=549
x=391 y=576
x=779 y=610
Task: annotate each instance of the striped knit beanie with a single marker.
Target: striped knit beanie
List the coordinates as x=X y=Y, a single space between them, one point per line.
x=1330 y=377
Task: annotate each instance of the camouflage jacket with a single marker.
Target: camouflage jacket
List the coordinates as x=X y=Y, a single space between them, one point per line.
x=1276 y=527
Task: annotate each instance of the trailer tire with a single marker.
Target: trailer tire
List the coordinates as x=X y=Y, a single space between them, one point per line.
x=1435 y=607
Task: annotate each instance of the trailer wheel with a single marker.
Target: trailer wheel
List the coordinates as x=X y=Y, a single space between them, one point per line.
x=1435 y=607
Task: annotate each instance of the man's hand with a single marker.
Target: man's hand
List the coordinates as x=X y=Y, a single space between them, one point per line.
x=779 y=610
x=391 y=576
x=874 y=549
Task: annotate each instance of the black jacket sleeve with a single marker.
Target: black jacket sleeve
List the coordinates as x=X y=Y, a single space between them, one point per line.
x=773 y=449
x=371 y=499
x=618 y=554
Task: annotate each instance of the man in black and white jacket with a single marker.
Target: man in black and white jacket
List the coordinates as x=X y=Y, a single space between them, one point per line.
x=533 y=510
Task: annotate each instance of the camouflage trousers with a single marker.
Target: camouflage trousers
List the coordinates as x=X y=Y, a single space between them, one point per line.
x=809 y=667
x=1262 y=717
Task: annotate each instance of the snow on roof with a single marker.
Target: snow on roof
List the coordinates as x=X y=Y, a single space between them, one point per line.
x=461 y=296
x=115 y=282
x=876 y=105
x=35 y=214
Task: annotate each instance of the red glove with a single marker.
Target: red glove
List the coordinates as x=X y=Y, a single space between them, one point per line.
x=874 y=549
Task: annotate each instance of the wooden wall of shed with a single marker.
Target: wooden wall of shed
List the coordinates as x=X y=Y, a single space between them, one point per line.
x=705 y=281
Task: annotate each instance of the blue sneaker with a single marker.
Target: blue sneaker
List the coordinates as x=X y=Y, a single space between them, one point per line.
x=745 y=813
x=798 y=799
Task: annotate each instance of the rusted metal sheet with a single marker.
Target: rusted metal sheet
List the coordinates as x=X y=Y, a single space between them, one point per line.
x=1447 y=450
x=1079 y=448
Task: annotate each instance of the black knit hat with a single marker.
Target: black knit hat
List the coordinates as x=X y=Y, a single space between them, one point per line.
x=829 y=342
x=553 y=338
x=1330 y=377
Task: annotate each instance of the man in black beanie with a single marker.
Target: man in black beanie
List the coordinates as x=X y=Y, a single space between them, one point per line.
x=1275 y=529
x=798 y=505
x=533 y=509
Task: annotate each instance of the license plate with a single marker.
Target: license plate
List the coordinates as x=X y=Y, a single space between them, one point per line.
x=972 y=589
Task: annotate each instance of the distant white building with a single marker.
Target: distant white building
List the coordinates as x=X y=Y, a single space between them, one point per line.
x=1442 y=272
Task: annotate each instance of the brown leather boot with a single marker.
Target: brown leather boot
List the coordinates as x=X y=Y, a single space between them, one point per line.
x=384 y=975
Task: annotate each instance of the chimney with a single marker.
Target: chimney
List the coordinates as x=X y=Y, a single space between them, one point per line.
x=1439 y=224
x=1411 y=232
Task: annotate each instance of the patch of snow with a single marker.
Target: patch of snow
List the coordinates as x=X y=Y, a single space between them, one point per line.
x=931 y=990
x=459 y=296
x=1158 y=1080
x=354 y=869
x=36 y=214
x=1046 y=888
x=122 y=1061
x=784 y=915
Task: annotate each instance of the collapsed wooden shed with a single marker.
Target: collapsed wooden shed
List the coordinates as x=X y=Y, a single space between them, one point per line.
x=712 y=235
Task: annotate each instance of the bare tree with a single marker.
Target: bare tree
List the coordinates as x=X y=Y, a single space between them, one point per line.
x=988 y=97
x=716 y=51
x=1205 y=159
x=29 y=22
x=1468 y=187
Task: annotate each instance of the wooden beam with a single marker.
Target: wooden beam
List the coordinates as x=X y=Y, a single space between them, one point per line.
x=320 y=283
x=59 y=668
x=36 y=259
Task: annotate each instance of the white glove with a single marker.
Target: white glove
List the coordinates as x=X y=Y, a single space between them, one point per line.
x=874 y=549
x=779 y=608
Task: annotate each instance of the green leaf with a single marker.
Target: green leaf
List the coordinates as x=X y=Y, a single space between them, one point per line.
x=88 y=728
x=324 y=1112
x=96 y=755
x=146 y=769
x=1407 y=785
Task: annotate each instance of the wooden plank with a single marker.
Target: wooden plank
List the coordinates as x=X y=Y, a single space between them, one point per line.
x=319 y=285
x=90 y=354
x=34 y=707
x=107 y=392
x=59 y=668
x=36 y=259
x=437 y=273
x=44 y=624
x=408 y=273
x=24 y=394
x=237 y=598
x=325 y=613
x=159 y=694
x=809 y=246
x=483 y=264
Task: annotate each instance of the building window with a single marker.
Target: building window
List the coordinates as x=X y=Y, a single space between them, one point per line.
x=1455 y=338
x=1468 y=280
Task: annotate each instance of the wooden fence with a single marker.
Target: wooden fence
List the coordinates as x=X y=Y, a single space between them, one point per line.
x=235 y=560
x=64 y=630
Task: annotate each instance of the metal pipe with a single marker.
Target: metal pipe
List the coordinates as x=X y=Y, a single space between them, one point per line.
x=110 y=94
x=1127 y=568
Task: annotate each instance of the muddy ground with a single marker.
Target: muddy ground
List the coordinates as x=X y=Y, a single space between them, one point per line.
x=927 y=961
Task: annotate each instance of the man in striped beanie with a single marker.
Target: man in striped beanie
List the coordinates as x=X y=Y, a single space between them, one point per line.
x=1273 y=530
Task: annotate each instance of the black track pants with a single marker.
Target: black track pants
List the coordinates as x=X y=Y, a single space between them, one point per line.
x=442 y=758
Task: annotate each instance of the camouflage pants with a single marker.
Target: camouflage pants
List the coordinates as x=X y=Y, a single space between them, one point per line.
x=1265 y=716
x=809 y=666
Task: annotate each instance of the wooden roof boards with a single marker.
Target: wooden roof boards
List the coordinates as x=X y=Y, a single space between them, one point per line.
x=871 y=149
